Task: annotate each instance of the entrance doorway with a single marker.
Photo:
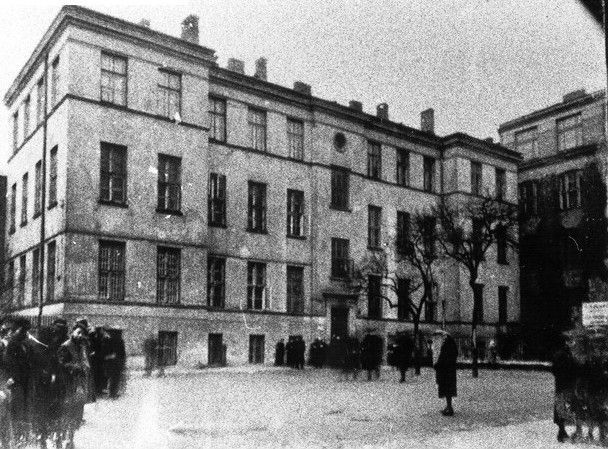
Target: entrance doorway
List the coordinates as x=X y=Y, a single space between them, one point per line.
x=216 y=350
x=339 y=322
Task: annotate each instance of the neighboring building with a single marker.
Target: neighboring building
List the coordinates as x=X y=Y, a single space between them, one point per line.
x=215 y=209
x=562 y=211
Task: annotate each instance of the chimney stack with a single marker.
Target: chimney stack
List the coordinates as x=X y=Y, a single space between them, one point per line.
x=427 y=121
x=356 y=105
x=144 y=23
x=190 y=29
x=302 y=88
x=236 y=65
x=382 y=111
x=260 y=69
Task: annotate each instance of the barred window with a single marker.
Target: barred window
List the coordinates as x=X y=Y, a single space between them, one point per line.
x=256 y=285
x=256 y=220
x=403 y=232
x=569 y=132
x=53 y=178
x=168 y=275
x=113 y=174
x=217 y=119
x=429 y=174
x=22 y=278
x=339 y=188
x=24 y=189
x=374 y=226
x=295 y=213
x=38 y=190
x=54 y=81
x=169 y=183
x=13 y=209
x=501 y=184
x=295 y=137
x=40 y=99
x=170 y=94
x=340 y=259
x=51 y=250
x=167 y=348
x=111 y=271
x=374 y=160
x=114 y=79
x=216 y=201
x=476 y=180
x=403 y=167
x=36 y=277
x=526 y=142
x=257 y=129
x=216 y=281
x=295 y=290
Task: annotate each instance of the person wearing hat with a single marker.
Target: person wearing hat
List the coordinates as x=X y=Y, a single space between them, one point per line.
x=445 y=352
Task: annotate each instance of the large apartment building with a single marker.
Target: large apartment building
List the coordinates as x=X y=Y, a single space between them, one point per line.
x=177 y=198
x=562 y=188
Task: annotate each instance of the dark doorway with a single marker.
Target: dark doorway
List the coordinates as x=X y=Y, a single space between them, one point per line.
x=256 y=348
x=216 y=351
x=339 y=322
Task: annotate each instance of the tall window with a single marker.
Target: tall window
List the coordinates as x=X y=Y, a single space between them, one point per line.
x=257 y=129
x=113 y=174
x=170 y=94
x=22 y=278
x=36 y=277
x=168 y=268
x=403 y=167
x=256 y=285
x=428 y=236
x=374 y=160
x=111 y=271
x=476 y=236
x=295 y=213
x=569 y=132
x=24 y=189
x=38 y=190
x=403 y=299
x=476 y=181
x=13 y=210
x=340 y=260
x=501 y=184
x=429 y=174
x=40 y=99
x=403 y=232
x=217 y=119
x=501 y=245
x=528 y=197
x=374 y=226
x=169 y=183
x=374 y=296
x=167 y=348
x=526 y=142
x=216 y=281
x=295 y=138
x=570 y=190
x=26 y=116
x=339 y=188
x=114 y=79
x=51 y=250
x=256 y=218
x=295 y=290
x=54 y=81
x=10 y=282
x=478 y=302
x=217 y=200
x=503 y=291
x=16 y=130
x=53 y=178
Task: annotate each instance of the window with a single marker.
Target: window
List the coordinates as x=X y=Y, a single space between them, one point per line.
x=217 y=200
x=113 y=79
x=169 y=183
x=339 y=188
x=40 y=100
x=168 y=267
x=340 y=261
x=256 y=348
x=167 y=348
x=501 y=184
x=295 y=138
x=22 y=277
x=374 y=160
x=403 y=167
x=36 y=277
x=429 y=174
x=476 y=181
x=295 y=213
x=374 y=298
x=13 y=211
x=528 y=197
x=569 y=132
x=54 y=81
x=502 y=304
x=477 y=237
x=295 y=290
x=216 y=281
x=38 y=190
x=256 y=218
x=501 y=245
x=570 y=190
x=53 y=178
x=257 y=129
x=51 y=250
x=113 y=174
x=170 y=94
x=111 y=271
x=24 y=189
x=478 y=302
x=256 y=285
x=403 y=232
x=526 y=142
x=10 y=283
x=217 y=119
x=374 y=220
x=26 y=116
x=403 y=299
x=428 y=236
x=16 y=130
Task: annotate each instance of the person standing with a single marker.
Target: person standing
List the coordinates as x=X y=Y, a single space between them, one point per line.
x=115 y=361
x=371 y=355
x=150 y=352
x=444 y=353
x=403 y=354
x=279 y=353
x=564 y=371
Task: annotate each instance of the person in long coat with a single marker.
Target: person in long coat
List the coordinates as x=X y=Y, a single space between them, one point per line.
x=371 y=355
x=115 y=360
x=403 y=354
x=444 y=353
x=564 y=371
x=279 y=353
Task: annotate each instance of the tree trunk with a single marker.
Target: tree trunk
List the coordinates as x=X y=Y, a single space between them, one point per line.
x=474 y=353
x=416 y=346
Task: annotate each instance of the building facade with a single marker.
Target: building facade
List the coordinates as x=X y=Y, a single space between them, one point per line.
x=562 y=188
x=216 y=210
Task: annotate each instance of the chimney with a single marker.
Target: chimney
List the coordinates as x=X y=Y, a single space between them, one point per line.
x=260 y=69
x=356 y=105
x=236 y=65
x=190 y=29
x=144 y=23
x=382 y=111
x=571 y=96
x=302 y=88
x=427 y=121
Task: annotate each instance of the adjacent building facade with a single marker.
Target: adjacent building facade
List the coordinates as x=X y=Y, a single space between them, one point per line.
x=216 y=210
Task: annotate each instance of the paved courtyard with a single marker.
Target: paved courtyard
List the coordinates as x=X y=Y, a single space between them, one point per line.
x=250 y=407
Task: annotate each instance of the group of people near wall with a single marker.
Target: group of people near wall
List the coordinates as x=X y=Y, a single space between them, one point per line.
x=291 y=354
x=47 y=377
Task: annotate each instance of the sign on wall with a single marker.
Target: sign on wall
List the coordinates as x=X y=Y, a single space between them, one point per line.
x=595 y=314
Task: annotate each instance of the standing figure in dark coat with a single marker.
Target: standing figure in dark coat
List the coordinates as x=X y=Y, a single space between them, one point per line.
x=115 y=360
x=352 y=357
x=371 y=355
x=279 y=353
x=99 y=341
x=150 y=351
x=402 y=351
x=300 y=352
x=317 y=353
x=564 y=370
x=445 y=352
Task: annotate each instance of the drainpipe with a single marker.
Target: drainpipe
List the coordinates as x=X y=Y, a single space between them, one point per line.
x=43 y=192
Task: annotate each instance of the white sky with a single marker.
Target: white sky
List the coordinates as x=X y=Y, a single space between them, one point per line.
x=478 y=63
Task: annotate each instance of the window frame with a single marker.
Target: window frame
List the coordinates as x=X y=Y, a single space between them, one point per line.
x=113 y=75
x=403 y=300
x=340 y=189
x=216 y=282
x=24 y=197
x=16 y=140
x=374 y=160
x=563 y=132
x=257 y=207
x=429 y=169
x=53 y=177
x=295 y=290
x=500 y=176
x=374 y=297
x=257 y=286
x=570 y=190
x=216 y=200
x=295 y=213
x=403 y=231
x=113 y=171
x=402 y=175
x=168 y=187
x=111 y=281
x=26 y=116
x=54 y=81
x=166 y=93
x=527 y=139
x=340 y=258
x=165 y=279
x=38 y=189
x=476 y=178
x=258 y=131
x=51 y=267
x=40 y=100
x=215 y=116
x=374 y=227
x=295 y=138
x=13 y=210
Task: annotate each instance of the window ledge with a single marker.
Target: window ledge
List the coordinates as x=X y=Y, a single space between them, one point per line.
x=296 y=237
x=341 y=209
x=169 y=212
x=112 y=203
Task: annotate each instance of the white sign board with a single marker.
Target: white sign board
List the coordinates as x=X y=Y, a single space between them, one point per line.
x=595 y=314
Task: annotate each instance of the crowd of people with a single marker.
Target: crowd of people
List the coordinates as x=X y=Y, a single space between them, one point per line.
x=47 y=377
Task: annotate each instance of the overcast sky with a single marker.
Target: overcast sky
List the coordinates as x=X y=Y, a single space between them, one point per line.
x=478 y=63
